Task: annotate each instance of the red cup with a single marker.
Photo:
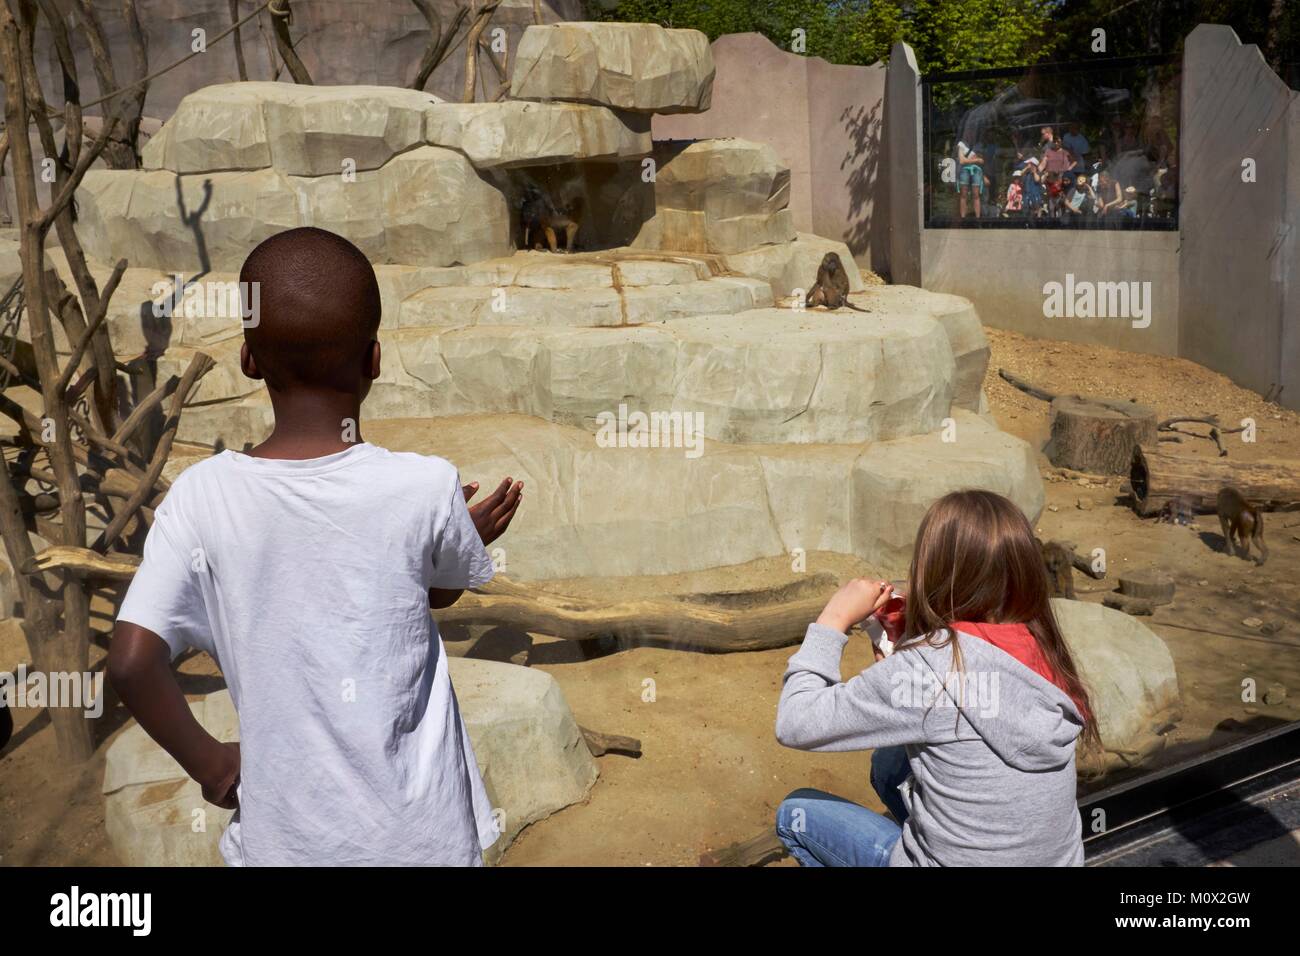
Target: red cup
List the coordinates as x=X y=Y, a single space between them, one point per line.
x=890 y=615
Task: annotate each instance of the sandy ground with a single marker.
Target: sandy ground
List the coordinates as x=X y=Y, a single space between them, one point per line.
x=712 y=772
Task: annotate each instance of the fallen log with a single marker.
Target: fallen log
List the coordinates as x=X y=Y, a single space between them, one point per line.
x=679 y=624
x=1157 y=477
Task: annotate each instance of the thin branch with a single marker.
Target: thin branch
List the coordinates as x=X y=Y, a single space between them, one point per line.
x=92 y=327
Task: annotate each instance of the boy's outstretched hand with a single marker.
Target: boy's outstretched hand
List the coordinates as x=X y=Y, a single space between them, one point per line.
x=493 y=514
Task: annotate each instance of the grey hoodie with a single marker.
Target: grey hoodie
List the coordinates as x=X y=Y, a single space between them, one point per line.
x=991 y=751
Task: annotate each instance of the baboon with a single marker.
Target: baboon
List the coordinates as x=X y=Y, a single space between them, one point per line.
x=1242 y=523
x=1179 y=510
x=539 y=217
x=1059 y=561
x=832 y=286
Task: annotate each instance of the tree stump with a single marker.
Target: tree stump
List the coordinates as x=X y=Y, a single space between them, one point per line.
x=1097 y=435
x=1153 y=586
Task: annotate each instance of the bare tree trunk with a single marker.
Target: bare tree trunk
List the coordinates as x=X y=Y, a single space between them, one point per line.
x=481 y=21
x=239 y=43
x=140 y=58
x=66 y=649
x=439 y=42
x=281 y=18
x=122 y=151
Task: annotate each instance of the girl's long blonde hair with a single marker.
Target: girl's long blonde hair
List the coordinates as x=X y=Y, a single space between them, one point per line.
x=976 y=559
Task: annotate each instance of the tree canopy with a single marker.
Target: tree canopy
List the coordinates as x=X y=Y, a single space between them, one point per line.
x=976 y=34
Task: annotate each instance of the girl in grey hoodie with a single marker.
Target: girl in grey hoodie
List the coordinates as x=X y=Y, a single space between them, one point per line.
x=973 y=714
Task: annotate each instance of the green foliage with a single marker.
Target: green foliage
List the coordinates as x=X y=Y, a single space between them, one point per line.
x=975 y=34
x=946 y=35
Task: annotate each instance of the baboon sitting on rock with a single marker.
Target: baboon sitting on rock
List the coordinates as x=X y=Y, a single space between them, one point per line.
x=832 y=286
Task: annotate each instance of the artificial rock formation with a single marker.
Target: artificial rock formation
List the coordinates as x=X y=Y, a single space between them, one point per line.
x=527 y=744
x=796 y=428
x=1130 y=676
x=639 y=67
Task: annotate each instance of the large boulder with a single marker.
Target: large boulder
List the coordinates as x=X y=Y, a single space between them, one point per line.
x=518 y=133
x=1131 y=680
x=970 y=346
x=529 y=749
x=639 y=67
x=426 y=206
x=327 y=130
x=718 y=196
x=791 y=267
x=300 y=130
x=532 y=755
x=154 y=813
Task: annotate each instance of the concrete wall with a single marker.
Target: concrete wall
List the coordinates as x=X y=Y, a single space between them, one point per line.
x=823 y=120
x=1239 y=257
x=1225 y=289
x=1003 y=271
x=904 y=145
x=340 y=42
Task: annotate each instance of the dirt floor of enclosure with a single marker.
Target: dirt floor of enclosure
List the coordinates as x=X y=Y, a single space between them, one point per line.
x=712 y=772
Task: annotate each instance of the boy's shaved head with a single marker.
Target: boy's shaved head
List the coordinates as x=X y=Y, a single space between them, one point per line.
x=318 y=310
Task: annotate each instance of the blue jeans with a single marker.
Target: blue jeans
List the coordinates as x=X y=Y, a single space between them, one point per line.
x=821 y=829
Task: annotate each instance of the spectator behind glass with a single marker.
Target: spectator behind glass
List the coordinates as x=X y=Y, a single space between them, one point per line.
x=970 y=178
x=1015 y=194
x=1081 y=198
x=1078 y=145
x=1109 y=196
x=1057 y=159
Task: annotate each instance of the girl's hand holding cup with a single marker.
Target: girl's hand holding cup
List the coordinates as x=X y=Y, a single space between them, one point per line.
x=855 y=602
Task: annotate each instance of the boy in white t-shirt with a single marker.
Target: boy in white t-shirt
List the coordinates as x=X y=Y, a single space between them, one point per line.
x=307 y=567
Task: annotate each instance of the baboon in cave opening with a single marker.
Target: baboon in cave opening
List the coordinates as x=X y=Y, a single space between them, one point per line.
x=832 y=286
x=539 y=216
x=1242 y=524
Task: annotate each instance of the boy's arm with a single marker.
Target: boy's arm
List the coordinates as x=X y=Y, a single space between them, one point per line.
x=491 y=517
x=139 y=666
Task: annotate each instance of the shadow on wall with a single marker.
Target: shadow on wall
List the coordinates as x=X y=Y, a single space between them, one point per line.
x=868 y=227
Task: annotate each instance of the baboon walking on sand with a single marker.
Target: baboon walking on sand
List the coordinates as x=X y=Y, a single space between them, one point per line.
x=1242 y=524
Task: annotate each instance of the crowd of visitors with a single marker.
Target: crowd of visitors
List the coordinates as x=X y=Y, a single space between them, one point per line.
x=1117 y=174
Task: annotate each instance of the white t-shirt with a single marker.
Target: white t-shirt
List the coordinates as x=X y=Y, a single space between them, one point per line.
x=308 y=582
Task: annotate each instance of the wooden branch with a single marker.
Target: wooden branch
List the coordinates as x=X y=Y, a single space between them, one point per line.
x=240 y=65
x=92 y=327
x=83 y=563
x=1031 y=390
x=73 y=182
x=142 y=410
x=439 y=41
x=680 y=624
x=600 y=744
x=757 y=851
x=481 y=21
x=199 y=366
x=281 y=17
